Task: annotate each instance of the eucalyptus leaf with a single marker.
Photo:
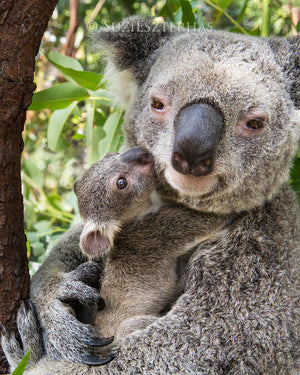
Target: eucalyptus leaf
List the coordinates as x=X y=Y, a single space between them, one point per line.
x=22 y=365
x=58 y=97
x=94 y=134
x=56 y=124
x=113 y=132
x=166 y=11
x=102 y=96
x=89 y=80
x=32 y=171
x=188 y=17
x=63 y=60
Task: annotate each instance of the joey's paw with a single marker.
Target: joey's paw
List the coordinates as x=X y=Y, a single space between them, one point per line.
x=89 y=273
x=82 y=285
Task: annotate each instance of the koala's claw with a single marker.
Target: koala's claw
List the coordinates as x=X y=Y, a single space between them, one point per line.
x=101 y=341
x=97 y=361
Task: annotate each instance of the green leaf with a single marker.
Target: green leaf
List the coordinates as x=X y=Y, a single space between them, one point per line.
x=166 y=11
x=94 y=134
x=27 y=242
x=188 y=17
x=32 y=170
x=89 y=80
x=102 y=96
x=58 y=96
x=56 y=123
x=63 y=60
x=113 y=132
x=22 y=365
x=224 y=4
x=37 y=248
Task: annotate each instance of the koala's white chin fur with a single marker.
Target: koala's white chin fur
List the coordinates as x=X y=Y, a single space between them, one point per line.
x=190 y=185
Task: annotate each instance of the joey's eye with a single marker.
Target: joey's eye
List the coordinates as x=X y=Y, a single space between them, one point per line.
x=255 y=123
x=157 y=104
x=122 y=183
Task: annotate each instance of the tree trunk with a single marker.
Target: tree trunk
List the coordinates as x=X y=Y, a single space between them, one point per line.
x=22 y=24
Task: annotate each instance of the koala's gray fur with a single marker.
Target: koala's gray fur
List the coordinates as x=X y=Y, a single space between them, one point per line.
x=239 y=311
x=140 y=278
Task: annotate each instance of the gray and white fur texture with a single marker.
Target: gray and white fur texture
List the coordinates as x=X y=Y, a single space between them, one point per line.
x=140 y=278
x=220 y=113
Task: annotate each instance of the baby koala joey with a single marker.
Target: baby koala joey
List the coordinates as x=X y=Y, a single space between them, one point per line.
x=111 y=192
x=140 y=244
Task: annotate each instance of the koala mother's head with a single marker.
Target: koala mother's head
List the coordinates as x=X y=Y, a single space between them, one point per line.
x=219 y=111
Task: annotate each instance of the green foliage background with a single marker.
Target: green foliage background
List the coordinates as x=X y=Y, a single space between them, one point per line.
x=71 y=122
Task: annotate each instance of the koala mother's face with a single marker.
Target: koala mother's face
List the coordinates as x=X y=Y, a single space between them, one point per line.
x=214 y=108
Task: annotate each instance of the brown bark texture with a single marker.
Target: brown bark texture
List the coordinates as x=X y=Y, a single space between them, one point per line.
x=22 y=24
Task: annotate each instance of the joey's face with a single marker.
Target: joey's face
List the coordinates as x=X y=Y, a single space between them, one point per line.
x=116 y=188
x=217 y=118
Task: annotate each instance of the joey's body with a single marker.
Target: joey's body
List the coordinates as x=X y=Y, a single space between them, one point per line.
x=140 y=278
x=140 y=274
x=220 y=113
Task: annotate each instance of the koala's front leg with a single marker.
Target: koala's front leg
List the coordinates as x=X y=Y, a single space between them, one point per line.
x=67 y=318
x=65 y=292
x=31 y=337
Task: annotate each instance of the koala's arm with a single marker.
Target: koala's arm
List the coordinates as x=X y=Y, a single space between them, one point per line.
x=66 y=286
x=172 y=229
x=239 y=313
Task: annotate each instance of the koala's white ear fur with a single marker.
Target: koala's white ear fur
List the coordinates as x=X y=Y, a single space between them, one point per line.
x=121 y=84
x=129 y=49
x=97 y=239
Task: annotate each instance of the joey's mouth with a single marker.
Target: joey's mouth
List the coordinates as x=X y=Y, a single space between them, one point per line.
x=188 y=184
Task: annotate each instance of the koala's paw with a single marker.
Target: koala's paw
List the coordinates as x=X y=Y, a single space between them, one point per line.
x=30 y=335
x=81 y=285
x=69 y=339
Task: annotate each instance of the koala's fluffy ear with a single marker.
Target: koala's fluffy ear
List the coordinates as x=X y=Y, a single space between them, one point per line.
x=287 y=54
x=97 y=239
x=94 y=243
x=130 y=48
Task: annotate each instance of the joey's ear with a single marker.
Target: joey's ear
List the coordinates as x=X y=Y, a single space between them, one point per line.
x=130 y=48
x=287 y=54
x=94 y=243
x=96 y=239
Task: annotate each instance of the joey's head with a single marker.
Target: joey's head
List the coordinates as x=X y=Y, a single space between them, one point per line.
x=111 y=192
x=218 y=111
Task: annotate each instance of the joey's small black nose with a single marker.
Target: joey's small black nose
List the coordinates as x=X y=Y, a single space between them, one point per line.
x=137 y=155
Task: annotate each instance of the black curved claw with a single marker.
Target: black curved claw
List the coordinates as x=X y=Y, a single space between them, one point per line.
x=97 y=361
x=101 y=341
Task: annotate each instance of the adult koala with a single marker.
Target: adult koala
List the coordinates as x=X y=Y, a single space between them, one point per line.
x=220 y=113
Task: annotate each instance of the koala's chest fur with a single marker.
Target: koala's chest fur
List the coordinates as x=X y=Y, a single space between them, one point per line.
x=135 y=283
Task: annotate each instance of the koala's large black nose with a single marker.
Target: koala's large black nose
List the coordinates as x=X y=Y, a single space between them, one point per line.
x=137 y=155
x=198 y=129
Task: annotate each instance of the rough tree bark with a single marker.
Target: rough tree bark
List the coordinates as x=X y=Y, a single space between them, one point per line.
x=22 y=24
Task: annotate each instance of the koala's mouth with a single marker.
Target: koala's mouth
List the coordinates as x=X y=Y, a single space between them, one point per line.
x=189 y=185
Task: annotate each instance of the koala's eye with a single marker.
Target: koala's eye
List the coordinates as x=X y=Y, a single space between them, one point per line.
x=255 y=123
x=251 y=126
x=157 y=104
x=122 y=183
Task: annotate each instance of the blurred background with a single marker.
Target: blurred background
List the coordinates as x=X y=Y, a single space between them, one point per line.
x=71 y=122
